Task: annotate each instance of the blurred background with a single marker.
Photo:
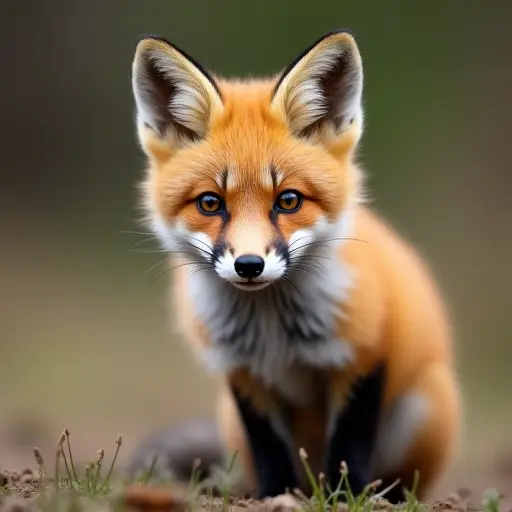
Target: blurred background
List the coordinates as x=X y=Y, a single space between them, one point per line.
x=86 y=344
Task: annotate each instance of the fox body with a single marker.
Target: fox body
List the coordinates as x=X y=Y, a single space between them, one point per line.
x=324 y=325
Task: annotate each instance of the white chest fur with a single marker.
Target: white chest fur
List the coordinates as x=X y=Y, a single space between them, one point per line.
x=273 y=331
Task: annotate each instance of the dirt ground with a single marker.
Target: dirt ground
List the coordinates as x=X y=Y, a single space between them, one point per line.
x=462 y=489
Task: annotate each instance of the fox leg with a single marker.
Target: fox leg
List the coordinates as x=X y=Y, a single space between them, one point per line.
x=234 y=440
x=418 y=433
x=273 y=461
x=354 y=417
x=266 y=444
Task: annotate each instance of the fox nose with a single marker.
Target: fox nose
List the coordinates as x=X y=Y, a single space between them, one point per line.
x=249 y=265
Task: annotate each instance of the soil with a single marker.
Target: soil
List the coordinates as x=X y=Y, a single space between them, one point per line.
x=24 y=487
x=20 y=489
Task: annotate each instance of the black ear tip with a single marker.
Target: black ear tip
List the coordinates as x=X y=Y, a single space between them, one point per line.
x=152 y=37
x=336 y=31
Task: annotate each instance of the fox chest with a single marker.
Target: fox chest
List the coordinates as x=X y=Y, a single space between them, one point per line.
x=284 y=344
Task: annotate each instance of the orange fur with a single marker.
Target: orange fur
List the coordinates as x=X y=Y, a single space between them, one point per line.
x=393 y=313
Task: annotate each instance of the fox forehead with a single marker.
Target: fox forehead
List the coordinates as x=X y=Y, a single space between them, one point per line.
x=250 y=151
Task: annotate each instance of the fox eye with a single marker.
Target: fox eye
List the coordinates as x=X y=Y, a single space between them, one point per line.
x=210 y=203
x=288 y=201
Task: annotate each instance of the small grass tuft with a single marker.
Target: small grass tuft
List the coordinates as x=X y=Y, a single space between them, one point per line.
x=491 y=500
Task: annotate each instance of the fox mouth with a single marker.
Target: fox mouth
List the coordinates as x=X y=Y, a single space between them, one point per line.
x=250 y=285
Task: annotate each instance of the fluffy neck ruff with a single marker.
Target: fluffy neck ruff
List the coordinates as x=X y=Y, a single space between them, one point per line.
x=292 y=322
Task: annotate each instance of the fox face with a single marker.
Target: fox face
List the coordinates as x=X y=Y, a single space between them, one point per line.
x=250 y=180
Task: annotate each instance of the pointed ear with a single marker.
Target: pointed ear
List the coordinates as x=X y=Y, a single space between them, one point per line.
x=175 y=98
x=322 y=88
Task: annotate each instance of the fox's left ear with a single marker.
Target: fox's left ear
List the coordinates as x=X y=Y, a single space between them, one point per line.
x=322 y=88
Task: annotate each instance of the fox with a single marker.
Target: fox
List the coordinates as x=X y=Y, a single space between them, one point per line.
x=325 y=327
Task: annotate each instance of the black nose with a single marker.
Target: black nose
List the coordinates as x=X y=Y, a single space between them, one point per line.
x=249 y=265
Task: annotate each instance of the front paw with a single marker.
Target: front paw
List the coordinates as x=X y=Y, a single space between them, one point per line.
x=275 y=485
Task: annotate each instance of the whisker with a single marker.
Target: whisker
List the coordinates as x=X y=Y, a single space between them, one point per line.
x=286 y=278
x=144 y=241
x=317 y=264
x=309 y=244
x=160 y=251
x=156 y=265
x=201 y=241
x=306 y=257
x=298 y=239
x=151 y=251
x=196 y=270
x=311 y=270
x=187 y=252
x=173 y=268
x=159 y=275
x=136 y=233
x=208 y=253
x=322 y=242
x=346 y=238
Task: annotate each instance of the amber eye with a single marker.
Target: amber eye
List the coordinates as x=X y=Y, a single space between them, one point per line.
x=288 y=201
x=210 y=203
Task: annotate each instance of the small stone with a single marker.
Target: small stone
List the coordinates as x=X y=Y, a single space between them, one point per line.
x=453 y=498
x=284 y=503
x=464 y=493
x=154 y=498
x=27 y=479
x=15 y=504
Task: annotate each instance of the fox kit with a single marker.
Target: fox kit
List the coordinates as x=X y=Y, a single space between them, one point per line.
x=324 y=325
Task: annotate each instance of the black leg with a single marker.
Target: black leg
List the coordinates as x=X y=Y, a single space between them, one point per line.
x=354 y=433
x=273 y=462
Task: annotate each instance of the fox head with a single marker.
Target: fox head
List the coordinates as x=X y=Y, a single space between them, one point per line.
x=248 y=179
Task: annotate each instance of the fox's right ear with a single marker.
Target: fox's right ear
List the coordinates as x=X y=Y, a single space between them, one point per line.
x=175 y=98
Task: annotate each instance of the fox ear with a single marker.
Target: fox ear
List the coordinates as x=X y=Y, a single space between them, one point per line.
x=175 y=98
x=323 y=87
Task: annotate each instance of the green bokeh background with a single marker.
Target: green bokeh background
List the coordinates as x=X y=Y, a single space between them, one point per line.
x=84 y=343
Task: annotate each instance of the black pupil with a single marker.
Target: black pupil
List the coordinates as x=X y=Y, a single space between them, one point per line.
x=210 y=202
x=288 y=199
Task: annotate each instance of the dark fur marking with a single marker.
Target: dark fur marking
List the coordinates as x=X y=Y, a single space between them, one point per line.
x=224 y=179
x=218 y=249
x=273 y=175
x=241 y=330
x=279 y=243
x=354 y=433
x=221 y=244
x=281 y=248
x=247 y=317
x=273 y=463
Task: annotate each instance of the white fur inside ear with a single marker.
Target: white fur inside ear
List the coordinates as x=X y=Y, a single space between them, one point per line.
x=169 y=90
x=325 y=84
